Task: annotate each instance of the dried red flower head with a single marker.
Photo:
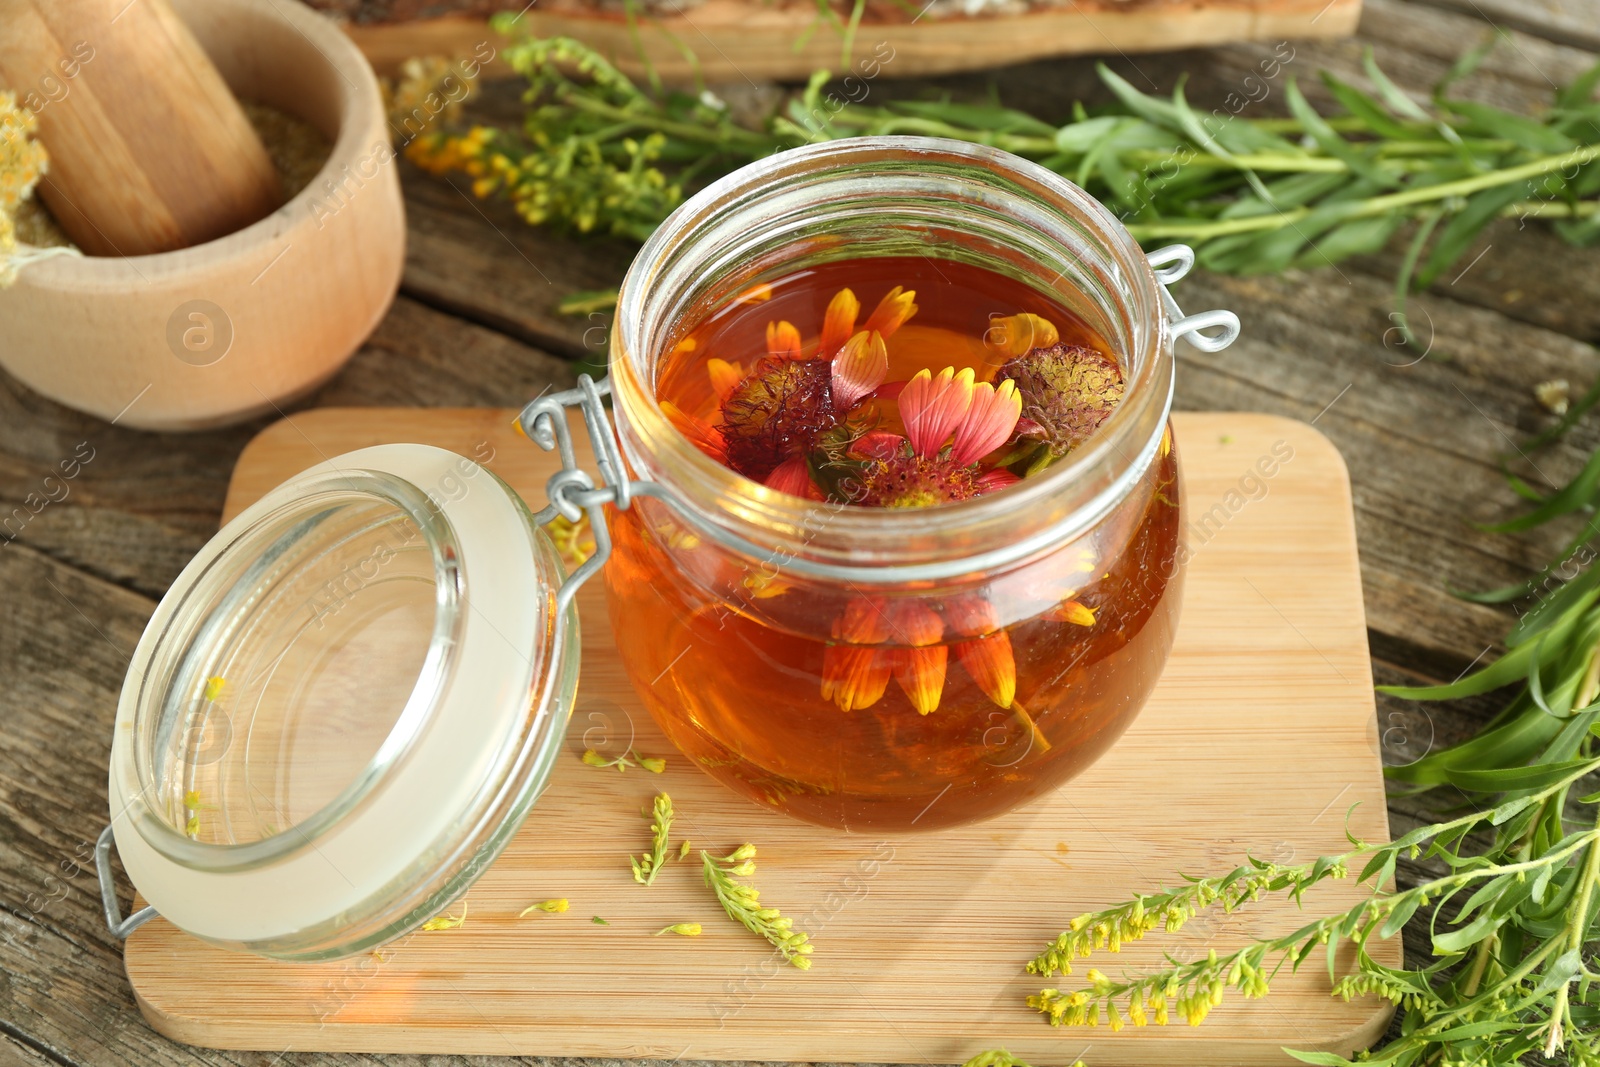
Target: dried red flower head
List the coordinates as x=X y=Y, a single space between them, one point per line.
x=786 y=403
x=775 y=413
x=1067 y=392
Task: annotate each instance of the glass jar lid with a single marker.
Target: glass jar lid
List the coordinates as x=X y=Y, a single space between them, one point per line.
x=344 y=706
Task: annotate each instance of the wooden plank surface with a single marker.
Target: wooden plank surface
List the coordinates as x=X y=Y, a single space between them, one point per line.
x=1268 y=693
x=743 y=39
x=79 y=579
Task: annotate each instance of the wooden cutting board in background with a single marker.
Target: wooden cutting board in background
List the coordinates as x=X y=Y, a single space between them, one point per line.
x=1259 y=740
x=762 y=40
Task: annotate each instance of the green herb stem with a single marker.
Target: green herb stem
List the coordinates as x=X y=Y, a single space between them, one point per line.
x=1552 y=209
x=1377 y=205
x=1577 y=925
x=684 y=131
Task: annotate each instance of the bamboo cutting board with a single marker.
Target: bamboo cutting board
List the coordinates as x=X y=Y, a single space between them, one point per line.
x=1259 y=740
x=742 y=41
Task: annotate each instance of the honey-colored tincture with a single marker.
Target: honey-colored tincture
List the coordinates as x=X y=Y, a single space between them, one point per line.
x=730 y=659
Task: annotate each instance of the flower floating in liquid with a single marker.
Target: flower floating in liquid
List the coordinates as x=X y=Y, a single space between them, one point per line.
x=813 y=422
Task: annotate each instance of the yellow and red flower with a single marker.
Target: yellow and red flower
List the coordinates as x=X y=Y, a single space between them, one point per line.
x=974 y=418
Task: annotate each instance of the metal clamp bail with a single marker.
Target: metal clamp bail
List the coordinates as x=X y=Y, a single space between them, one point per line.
x=571 y=490
x=1170 y=264
x=120 y=928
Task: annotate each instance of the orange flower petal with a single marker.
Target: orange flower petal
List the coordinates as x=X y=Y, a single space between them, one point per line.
x=854 y=677
x=1017 y=335
x=932 y=407
x=914 y=623
x=783 y=340
x=1073 y=611
x=759 y=293
x=995 y=480
x=878 y=444
x=971 y=616
x=700 y=433
x=863 y=622
x=858 y=368
x=725 y=377
x=839 y=324
x=990 y=662
x=792 y=476
x=920 y=672
x=892 y=311
x=991 y=417
x=763 y=586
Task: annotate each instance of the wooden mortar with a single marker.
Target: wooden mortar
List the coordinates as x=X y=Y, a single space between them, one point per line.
x=245 y=324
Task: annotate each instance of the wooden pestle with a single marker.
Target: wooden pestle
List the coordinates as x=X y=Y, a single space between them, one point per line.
x=149 y=151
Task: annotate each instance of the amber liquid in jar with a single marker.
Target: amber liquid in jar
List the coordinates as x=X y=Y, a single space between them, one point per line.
x=734 y=663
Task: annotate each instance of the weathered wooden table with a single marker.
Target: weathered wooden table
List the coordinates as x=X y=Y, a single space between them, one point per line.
x=475 y=324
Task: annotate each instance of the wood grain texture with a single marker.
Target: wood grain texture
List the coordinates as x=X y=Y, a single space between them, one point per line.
x=481 y=261
x=148 y=501
x=145 y=503
x=1570 y=22
x=920 y=937
x=737 y=40
x=149 y=151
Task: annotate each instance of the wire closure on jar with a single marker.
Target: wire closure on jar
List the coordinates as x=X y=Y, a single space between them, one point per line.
x=1170 y=265
x=119 y=926
x=571 y=490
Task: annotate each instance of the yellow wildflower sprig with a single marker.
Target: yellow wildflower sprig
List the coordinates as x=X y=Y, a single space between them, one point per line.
x=1171 y=909
x=681 y=929
x=1001 y=1058
x=549 y=907
x=630 y=758
x=1441 y=1010
x=742 y=903
x=574 y=541
x=647 y=865
x=192 y=807
x=23 y=162
x=447 y=922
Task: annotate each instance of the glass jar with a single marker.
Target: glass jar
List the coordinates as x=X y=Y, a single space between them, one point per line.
x=793 y=648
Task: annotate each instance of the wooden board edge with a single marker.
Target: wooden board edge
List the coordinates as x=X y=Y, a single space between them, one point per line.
x=946 y=46
x=300 y=424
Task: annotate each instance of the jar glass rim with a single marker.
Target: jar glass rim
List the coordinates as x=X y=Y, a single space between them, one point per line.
x=681 y=261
